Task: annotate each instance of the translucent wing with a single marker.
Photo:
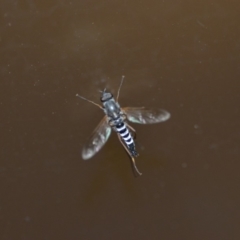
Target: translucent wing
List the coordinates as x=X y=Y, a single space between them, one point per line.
x=99 y=137
x=144 y=115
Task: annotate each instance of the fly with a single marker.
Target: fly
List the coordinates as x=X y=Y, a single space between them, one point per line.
x=116 y=119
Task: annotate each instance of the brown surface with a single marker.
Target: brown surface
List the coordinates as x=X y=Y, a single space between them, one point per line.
x=182 y=56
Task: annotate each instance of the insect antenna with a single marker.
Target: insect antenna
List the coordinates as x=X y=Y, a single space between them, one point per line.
x=77 y=95
x=120 y=88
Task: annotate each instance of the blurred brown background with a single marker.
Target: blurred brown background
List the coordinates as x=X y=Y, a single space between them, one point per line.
x=183 y=56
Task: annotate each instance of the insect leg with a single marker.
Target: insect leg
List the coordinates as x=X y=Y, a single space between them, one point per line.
x=120 y=88
x=132 y=129
x=77 y=95
x=133 y=160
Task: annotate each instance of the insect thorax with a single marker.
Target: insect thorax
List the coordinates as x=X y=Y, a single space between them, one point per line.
x=112 y=109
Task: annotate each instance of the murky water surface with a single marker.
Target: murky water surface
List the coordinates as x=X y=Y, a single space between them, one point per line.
x=177 y=55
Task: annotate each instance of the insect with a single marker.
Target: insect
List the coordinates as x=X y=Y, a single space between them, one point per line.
x=116 y=119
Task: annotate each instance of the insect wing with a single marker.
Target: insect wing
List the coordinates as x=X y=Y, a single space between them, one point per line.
x=144 y=115
x=99 y=137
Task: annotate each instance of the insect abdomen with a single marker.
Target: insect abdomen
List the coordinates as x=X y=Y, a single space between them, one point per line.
x=127 y=138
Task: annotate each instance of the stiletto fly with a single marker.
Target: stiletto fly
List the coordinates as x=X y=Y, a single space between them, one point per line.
x=115 y=119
